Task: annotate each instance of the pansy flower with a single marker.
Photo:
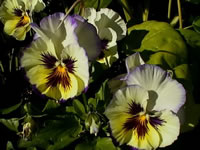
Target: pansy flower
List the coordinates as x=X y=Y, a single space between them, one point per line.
x=55 y=63
x=110 y=28
x=133 y=124
x=141 y=114
x=16 y=16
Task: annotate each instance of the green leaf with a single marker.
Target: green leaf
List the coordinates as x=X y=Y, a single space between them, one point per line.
x=92 y=102
x=191 y=112
x=193 y=1
x=79 y=108
x=196 y=24
x=10 y=109
x=105 y=143
x=159 y=37
x=57 y=134
x=97 y=4
x=51 y=104
x=97 y=144
x=9 y=146
x=11 y=124
x=192 y=38
x=85 y=146
x=103 y=96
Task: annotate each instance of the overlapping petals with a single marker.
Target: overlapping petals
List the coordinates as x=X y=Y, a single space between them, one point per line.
x=16 y=16
x=164 y=92
x=133 y=125
x=58 y=67
x=110 y=27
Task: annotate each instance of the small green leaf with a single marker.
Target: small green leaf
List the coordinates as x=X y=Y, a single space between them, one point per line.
x=10 y=109
x=79 y=108
x=9 y=146
x=105 y=143
x=51 y=104
x=196 y=24
x=12 y=124
x=92 y=102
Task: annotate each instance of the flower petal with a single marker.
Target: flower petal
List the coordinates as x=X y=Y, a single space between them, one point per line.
x=72 y=91
x=88 y=38
x=10 y=26
x=150 y=141
x=170 y=128
x=117 y=110
x=133 y=61
x=20 y=33
x=81 y=61
x=167 y=93
x=110 y=18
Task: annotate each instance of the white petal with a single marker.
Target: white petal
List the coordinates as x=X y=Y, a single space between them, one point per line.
x=169 y=129
x=133 y=61
x=126 y=96
x=165 y=92
x=81 y=61
x=88 y=38
x=110 y=18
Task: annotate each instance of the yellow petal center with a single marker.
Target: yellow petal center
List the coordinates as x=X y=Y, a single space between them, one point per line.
x=142 y=119
x=25 y=19
x=61 y=69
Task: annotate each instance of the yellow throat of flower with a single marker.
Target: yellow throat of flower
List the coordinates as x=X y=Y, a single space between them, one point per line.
x=25 y=19
x=142 y=119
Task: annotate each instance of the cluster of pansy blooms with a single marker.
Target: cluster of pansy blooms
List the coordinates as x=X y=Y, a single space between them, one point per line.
x=142 y=113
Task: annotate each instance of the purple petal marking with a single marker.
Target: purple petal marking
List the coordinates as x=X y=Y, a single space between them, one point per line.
x=135 y=108
x=134 y=123
x=156 y=121
x=48 y=60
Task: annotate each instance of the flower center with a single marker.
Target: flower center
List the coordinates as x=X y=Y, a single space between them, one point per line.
x=25 y=19
x=59 y=75
x=60 y=71
x=142 y=119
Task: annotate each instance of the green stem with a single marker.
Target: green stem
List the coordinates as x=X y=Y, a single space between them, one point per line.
x=1 y=66
x=169 y=9
x=180 y=14
x=126 y=9
x=85 y=102
x=67 y=13
x=11 y=59
x=188 y=27
x=145 y=13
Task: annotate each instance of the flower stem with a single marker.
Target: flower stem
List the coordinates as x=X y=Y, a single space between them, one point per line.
x=145 y=14
x=67 y=13
x=1 y=67
x=169 y=9
x=180 y=14
x=85 y=102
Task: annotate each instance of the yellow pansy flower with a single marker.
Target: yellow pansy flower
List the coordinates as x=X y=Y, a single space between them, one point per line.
x=16 y=16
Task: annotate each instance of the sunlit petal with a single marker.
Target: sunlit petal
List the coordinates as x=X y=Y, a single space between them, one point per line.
x=165 y=92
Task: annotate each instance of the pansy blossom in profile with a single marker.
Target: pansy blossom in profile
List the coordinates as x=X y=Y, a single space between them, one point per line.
x=17 y=16
x=54 y=62
x=110 y=28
